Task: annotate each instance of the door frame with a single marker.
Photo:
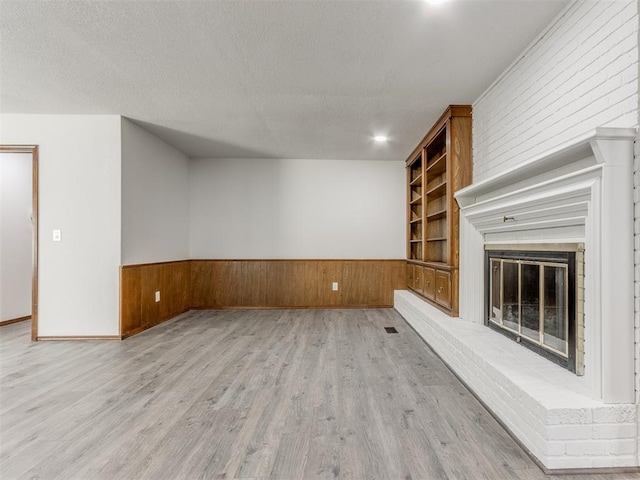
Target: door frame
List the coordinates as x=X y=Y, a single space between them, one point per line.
x=33 y=150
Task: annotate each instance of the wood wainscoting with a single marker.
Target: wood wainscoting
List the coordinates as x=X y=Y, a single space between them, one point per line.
x=218 y=284
x=294 y=283
x=138 y=284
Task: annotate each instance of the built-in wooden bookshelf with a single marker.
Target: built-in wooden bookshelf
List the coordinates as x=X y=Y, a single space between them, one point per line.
x=415 y=191
x=439 y=166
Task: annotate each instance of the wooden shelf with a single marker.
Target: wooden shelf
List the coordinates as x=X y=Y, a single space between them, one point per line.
x=438 y=191
x=437 y=166
x=444 y=266
x=436 y=174
x=437 y=215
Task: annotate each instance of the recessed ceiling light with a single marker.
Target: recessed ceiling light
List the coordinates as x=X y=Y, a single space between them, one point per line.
x=381 y=138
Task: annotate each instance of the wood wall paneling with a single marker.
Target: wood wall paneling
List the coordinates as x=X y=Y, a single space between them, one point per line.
x=371 y=283
x=130 y=300
x=253 y=284
x=228 y=283
x=138 y=285
x=150 y=283
x=202 y=283
x=175 y=281
x=328 y=272
x=292 y=283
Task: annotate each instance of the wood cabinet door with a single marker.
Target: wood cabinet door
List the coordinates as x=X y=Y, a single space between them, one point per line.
x=418 y=279
x=429 y=283
x=410 y=275
x=443 y=288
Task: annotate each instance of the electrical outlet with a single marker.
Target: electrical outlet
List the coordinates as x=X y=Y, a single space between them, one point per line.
x=334 y=287
x=158 y=296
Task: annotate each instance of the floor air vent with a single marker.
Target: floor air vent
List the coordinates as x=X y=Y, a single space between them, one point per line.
x=391 y=329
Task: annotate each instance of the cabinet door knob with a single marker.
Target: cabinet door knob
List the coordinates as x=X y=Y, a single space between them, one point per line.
x=428 y=283
x=440 y=289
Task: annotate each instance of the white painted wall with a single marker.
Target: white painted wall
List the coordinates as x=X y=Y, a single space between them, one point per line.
x=79 y=193
x=15 y=235
x=266 y=208
x=155 y=198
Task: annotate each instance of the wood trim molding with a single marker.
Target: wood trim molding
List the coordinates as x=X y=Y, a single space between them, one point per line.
x=33 y=150
x=80 y=337
x=377 y=260
x=138 y=265
x=303 y=307
x=15 y=320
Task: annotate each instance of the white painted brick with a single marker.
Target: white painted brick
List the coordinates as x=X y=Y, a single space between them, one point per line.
x=587 y=447
x=569 y=432
x=569 y=416
x=615 y=414
x=615 y=430
x=569 y=462
x=615 y=461
x=555 y=448
x=623 y=446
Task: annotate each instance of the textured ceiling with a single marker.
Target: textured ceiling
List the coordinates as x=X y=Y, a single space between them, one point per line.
x=285 y=79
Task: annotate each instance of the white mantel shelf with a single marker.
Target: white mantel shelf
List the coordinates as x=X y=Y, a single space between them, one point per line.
x=571 y=152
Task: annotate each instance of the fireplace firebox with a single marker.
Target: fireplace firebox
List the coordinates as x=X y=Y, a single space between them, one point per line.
x=531 y=297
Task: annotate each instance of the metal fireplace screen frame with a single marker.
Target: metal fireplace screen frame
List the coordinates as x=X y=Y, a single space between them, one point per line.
x=563 y=263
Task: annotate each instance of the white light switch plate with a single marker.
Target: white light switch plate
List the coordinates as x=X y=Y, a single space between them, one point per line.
x=57 y=236
x=335 y=286
x=158 y=296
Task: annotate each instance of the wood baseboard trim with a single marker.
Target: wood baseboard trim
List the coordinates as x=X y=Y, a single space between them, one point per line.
x=133 y=332
x=15 y=320
x=304 y=307
x=150 y=264
x=589 y=471
x=148 y=327
x=291 y=260
x=79 y=338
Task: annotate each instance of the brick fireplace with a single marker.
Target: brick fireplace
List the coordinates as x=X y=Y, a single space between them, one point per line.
x=577 y=198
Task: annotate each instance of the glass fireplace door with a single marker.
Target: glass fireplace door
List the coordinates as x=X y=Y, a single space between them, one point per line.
x=530 y=299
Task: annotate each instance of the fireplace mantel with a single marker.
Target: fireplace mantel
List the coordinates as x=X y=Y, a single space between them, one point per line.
x=579 y=192
x=595 y=144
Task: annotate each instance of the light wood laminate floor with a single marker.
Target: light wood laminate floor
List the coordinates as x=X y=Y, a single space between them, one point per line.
x=278 y=394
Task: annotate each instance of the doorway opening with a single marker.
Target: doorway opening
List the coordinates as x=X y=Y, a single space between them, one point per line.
x=29 y=152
